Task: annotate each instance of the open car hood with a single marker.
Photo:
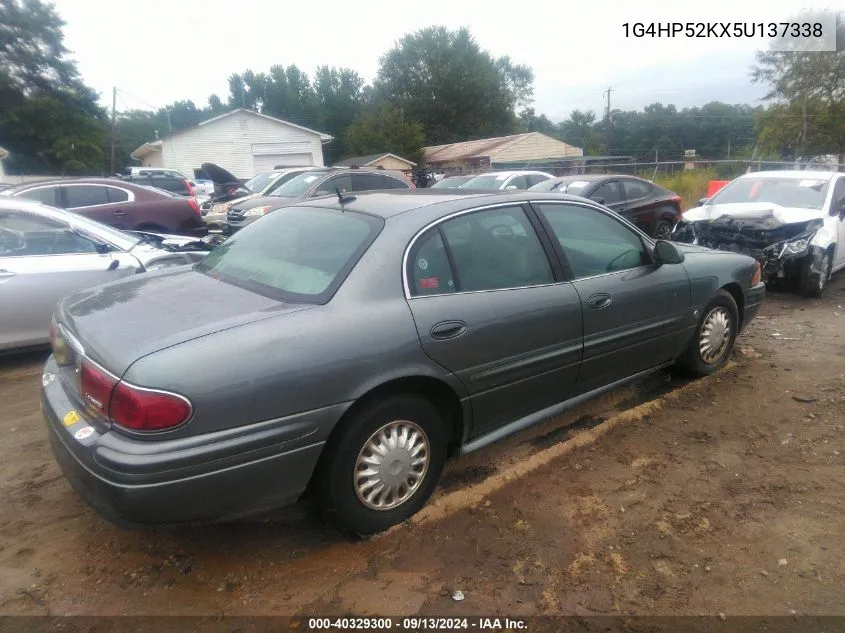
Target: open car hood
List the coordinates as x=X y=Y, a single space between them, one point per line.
x=219 y=175
x=765 y=214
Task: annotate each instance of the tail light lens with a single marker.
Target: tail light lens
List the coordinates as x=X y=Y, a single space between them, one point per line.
x=147 y=410
x=191 y=191
x=758 y=275
x=96 y=387
x=133 y=408
x=195 y=206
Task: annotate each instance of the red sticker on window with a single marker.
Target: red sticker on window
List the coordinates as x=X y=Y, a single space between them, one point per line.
x=429 y=282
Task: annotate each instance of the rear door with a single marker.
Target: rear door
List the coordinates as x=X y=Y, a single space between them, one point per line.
x=609 y=194
x=636 y=314
x=489 y=307
x=46 y=263
x=100 y=203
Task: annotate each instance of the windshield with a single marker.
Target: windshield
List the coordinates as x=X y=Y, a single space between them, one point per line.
x=573 y=187
x=298 y=185
x=260 y=182
x=298 y=254
x=802 y=193
x=490 y=181
x=449 y=183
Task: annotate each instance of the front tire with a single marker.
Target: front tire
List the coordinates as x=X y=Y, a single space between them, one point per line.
x=663 y=230
x=815 y=271
x=710 y=347
x=385 y=464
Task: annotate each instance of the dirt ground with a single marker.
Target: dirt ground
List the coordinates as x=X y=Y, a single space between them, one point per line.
x=728 y=499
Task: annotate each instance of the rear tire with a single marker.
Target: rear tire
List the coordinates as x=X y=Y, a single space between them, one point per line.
x=711 y=345
x=385 y=464
x=815 y=271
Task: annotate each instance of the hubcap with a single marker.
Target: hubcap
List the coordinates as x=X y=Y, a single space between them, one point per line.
x=391 y=465
x=715 y=335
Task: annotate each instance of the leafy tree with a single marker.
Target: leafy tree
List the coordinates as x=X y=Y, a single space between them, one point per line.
x=456 y=90
x=530 y=122
x=50 y=121
x=582 y=130
x=339 y=101
x=385 y=130
x=808 y=90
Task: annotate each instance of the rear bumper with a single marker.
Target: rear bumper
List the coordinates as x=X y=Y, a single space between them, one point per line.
x=753 y=300
x=135 y=483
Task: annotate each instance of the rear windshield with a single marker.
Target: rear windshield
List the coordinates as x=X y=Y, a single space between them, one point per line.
x=298 y=254
x=489 y=181
x=802 y=193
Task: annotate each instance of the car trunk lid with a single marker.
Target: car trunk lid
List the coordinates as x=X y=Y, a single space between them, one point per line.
x=120 y=322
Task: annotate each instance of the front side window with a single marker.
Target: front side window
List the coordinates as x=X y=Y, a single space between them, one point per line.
x=299 y=254
x=26 y=234
x=45 y=195
x=495 y=249
x=519 y=182
x=593 y=242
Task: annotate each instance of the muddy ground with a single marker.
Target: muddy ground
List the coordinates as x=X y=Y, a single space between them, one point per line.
x=728 y=499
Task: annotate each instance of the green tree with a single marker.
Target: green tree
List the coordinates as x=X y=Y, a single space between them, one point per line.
x=530 y=122
x=385 y=130
x=808 y=92
x=49 y=121
x=457 y=91
x=339 y=101
x=582 y=130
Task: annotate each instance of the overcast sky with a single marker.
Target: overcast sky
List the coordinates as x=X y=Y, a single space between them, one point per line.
x=160 y=51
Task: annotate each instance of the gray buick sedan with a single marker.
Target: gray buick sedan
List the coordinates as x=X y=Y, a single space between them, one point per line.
x=347 y=346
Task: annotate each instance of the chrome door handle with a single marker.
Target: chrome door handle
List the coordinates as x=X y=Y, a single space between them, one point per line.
x=599 y=300
x=448 y=329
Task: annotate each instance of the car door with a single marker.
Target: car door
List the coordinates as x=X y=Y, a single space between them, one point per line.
x=490 y=308
x=103 y=203
x=837 y=211
x=45 y=262
x=634 y=206
x=636 y=314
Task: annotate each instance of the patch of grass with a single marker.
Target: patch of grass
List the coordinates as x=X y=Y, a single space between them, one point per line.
x=690 y=185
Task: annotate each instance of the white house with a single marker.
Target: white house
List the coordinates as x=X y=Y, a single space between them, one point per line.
x=242 y=141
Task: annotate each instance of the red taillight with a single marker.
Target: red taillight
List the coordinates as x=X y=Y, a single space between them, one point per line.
x=758 y=275
x=143 y=410
x=191 y=191
x=96 y=387
x=195 y=206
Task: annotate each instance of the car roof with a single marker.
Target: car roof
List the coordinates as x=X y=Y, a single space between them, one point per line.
x=392 y=202
x=116 y=182
x=595 y=177
x=797 y=174
x=512 y=173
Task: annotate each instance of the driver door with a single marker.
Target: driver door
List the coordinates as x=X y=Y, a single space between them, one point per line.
x=47 y=264
x=636 y=314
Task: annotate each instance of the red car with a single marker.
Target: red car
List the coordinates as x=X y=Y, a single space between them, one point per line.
x=120 y=204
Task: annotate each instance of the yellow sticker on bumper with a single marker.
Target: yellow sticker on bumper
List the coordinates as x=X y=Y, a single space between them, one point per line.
x=71 y=418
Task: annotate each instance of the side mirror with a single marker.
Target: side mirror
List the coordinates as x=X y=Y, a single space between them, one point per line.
x=102 y=249
x=702 y=201
x=667 y=253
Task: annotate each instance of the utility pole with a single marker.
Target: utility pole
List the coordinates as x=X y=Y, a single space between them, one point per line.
x=607 y=116
x=113 y=109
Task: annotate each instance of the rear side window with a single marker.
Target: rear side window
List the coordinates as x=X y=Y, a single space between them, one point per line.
x=117 y=195
x=387 y=182
x=429 y=270
x=608 y=193
x=85 y=196
x=297 y=254
x=46 y=195
x=635 y=189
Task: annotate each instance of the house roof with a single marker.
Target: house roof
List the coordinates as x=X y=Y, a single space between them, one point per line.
x=147 y=148
x=365 y=161
x=482 y=148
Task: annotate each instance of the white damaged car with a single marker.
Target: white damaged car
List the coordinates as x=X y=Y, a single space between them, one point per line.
x=792 y=222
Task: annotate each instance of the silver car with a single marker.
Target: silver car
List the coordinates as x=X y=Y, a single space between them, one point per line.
x=46 y=253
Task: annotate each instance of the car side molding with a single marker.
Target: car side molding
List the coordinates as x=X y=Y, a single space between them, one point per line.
x=553 y=411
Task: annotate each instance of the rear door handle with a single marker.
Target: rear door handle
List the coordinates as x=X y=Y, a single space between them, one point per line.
x=599 y=300
x=118 y=212
x=448 y=329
